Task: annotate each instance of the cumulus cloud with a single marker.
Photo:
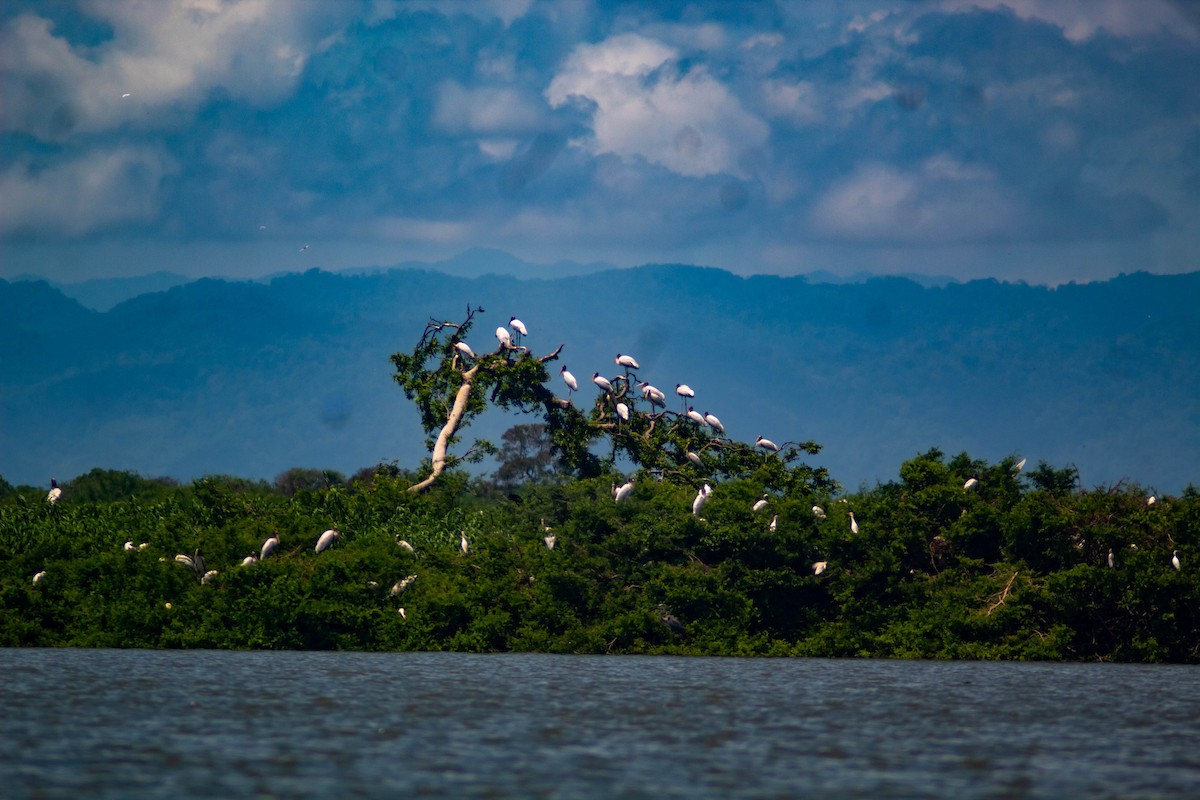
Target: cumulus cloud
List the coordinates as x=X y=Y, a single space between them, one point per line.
x=99 y=189
x=1080 y=20
x=160 y=55
x=486 y=110
x=643 y=102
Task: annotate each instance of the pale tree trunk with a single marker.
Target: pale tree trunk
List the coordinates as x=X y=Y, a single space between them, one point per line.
x=443 y=439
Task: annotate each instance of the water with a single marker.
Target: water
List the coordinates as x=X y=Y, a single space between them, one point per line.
x=129 y=724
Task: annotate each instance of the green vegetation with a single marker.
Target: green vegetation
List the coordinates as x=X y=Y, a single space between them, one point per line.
x=1015 y=568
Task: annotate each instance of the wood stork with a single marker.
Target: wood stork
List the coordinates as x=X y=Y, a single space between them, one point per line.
x=37 y=578
x=327 y=538
x=550 y=541
x=268 y=546
x=504 y=337
x=697 y=417
x=143 y=545
x=761 y=503
x=653 y=394
x=250 y=560
x=1020 y=465
x=622 y=492
x=685 y=392
x=713 y=422
x=774 y=524
x=209 y=577
x=1175 y=560
x=819 y=566
x=623 y=411
x=970 y=484
x=403 y=544
x=1151 y=500
x=766 y=444
x=195 y=562
x=519 y=327
x=55 y=492
x=853 y=523
x=465 y=349
x=403 y=614
x=818 y=512
x=603 y=382
x=569 y=380
x=628 y=362
x=694 y=458
x=129 y=546
x=401 y=585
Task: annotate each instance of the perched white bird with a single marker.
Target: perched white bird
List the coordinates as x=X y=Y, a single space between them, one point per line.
x=970 y=484
x=603 y=382
x=706 y=490
x=699 y=501
x=249 y=560
x=519 y=327
x=1020 y=465
x=403 y=614
x=550 y=541
x=683 y=390
x=504 y=337
x=129 y=545
x=713 y=422
x=818 y=512
x=622 y=492
x=54 y=494
x=194 y=562
x=403 y=543
x=462 y=542
x=697 y=417
x=853 y=523
x=1151 y=500
x=767 y=444
x=819 y=566
x=774 y=523
x=1175 y=560
x=653 y=394
x=628 y=362
x=761 y=503
x=143 y=545
x=623 y=411
x=268 y=546
x=401 y=585
x=327 y=539
x=569 y=380
x=465 y=349
x=694 y=458
x=1111 y=560
x=209 y=576
x=37 y=578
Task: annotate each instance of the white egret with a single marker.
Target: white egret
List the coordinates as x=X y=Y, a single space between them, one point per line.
x=519 y=327
x=697 y=417
x=694 y=458
x=713 y=422
x=622 y=492
x=623 y=411
x=970 y=484
x=268 y=546
x=853 y=523
x=569 y=380
x=1020 y=465
x=628 y=362
x=403 y=543
x=761 y=503
x=1175 y=560
x=403 y=614
x=819 y=566
x=699 y=501
x=1111 y=560
x=550 y=541
x=54 y=494
x=465 y=349
x=327 y=538
x=249 y=560
x=818 y=512
x=766 y=444
x=401 y=585
x=1151 y=500
x=774 y=523
x=37 y=578
x=504 y=337
x=129 y=545
x=462 y=542
x=209 y=576
x=143 y=545
x=603 y=382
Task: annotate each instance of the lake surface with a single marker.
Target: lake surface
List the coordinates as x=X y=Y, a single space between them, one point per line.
x=135 y=723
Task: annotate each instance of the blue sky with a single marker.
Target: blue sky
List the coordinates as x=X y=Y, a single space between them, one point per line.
x=1035 y=140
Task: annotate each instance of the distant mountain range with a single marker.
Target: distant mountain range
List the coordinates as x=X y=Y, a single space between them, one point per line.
x=251 y=378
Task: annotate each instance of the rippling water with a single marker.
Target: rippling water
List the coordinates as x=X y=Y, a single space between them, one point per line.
x=130 y=723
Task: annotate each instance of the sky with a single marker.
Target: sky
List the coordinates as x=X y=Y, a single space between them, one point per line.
x=1026 y=140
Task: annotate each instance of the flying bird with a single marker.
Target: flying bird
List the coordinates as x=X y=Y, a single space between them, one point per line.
x=761 y=503
x=713 y=422
x=268 y=546
x=54 y=494
x=818 y=512
x=126 y=94
x=628 y=362
x=327 y=539
x=603 y=382
x=569 y=380
x=302 y=249
x=519 y=327
x=767 y=444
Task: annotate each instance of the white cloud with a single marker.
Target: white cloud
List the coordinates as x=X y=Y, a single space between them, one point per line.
x=161 y=55
x=942 y=200
x=505 y=10
x=486 y=110
x=643 y=106
x=1080 y=20
x=100 y=189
